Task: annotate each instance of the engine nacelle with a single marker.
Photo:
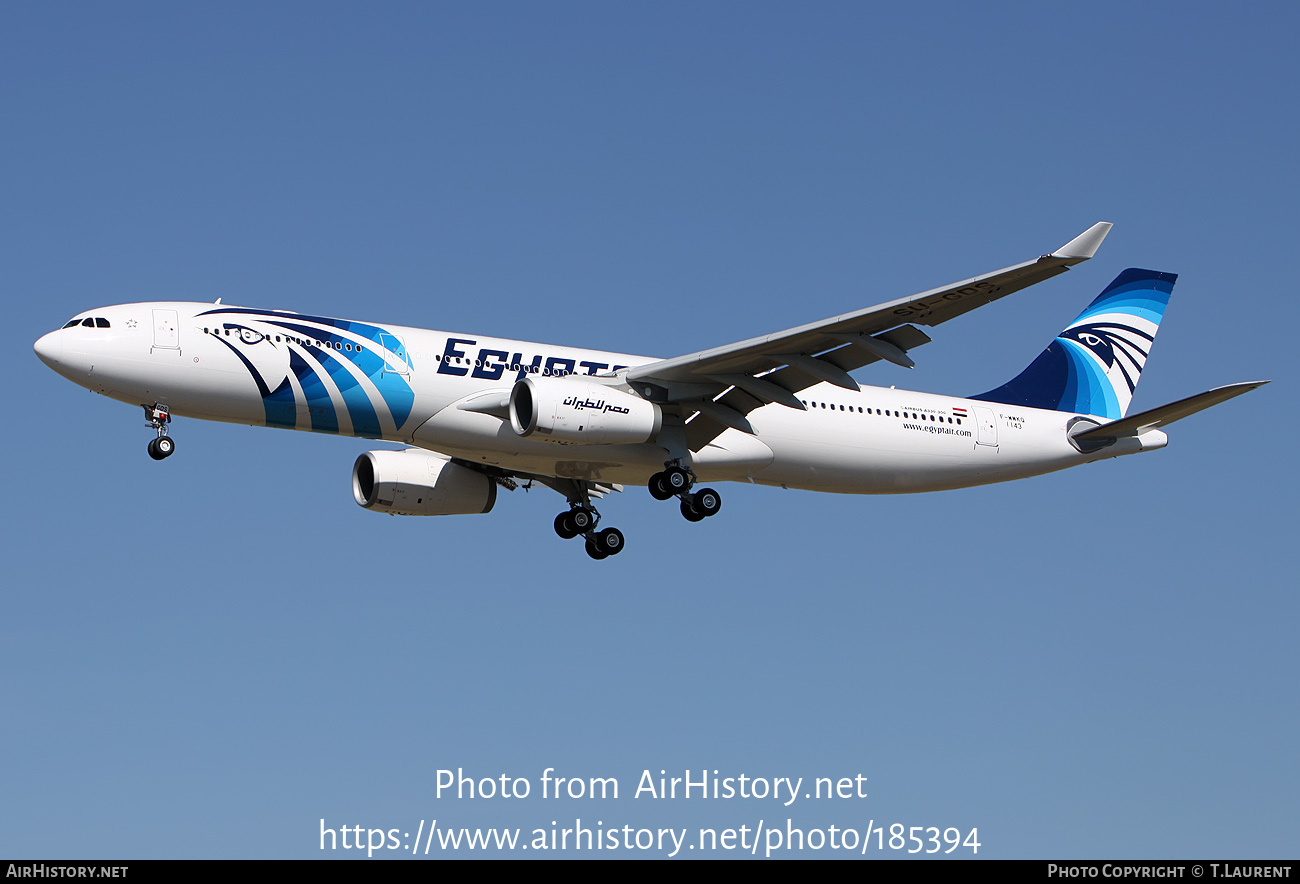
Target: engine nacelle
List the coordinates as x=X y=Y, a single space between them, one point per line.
x=414 y=482
x=574 y=411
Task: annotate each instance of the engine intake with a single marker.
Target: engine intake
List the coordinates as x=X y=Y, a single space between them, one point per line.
x=414 y=482
x=576 y=412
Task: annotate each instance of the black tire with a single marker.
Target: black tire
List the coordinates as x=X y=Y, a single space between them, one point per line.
x=676 y=480
x=706 y=501
x=610 y=541
x=595 y=551
x=657 y=489
x=581 y=520
x=689 y=512
x=153 y=450
x=563 y=528
x=164 y=446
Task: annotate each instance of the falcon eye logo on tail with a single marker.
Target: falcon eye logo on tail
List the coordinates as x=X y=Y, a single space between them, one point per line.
x=1093 y=366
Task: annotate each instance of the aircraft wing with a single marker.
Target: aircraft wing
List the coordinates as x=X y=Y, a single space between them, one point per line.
x=716 y=388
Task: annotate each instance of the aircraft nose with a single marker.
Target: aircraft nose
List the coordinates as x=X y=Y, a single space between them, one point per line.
x=49 y=348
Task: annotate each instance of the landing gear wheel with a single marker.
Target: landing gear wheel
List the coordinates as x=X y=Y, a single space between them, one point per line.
x=610 y=541
x=582 y=520
x=594 y=550
x=689 y=512
x=676 y=480
x=564 y=528
x=657 y=489
x=158 y=417
x=706 y=502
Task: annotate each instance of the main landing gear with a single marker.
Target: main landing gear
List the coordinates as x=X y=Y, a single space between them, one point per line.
x=676 y=481
x=158 y=418
x=582 y=519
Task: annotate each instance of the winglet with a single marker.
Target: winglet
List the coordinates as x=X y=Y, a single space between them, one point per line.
x=1085 y=245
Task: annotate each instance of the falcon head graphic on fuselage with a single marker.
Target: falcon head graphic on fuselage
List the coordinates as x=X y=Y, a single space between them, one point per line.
x=326 y=375
x=268 y=365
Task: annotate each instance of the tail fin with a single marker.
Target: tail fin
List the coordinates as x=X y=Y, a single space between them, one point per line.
x=1093 y=366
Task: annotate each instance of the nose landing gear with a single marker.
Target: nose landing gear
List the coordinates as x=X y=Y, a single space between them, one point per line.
x=158 y=417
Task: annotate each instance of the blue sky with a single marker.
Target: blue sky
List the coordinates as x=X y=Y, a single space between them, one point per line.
x=204 y=657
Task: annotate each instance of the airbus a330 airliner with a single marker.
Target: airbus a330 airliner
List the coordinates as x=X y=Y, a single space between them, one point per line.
x=782 y=409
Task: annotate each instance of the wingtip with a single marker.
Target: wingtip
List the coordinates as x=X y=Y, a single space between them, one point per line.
x=1085 y=245
x=1244 y=386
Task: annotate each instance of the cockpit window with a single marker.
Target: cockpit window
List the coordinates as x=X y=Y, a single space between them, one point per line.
x=90 y=322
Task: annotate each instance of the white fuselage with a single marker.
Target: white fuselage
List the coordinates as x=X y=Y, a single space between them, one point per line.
x=410 y=385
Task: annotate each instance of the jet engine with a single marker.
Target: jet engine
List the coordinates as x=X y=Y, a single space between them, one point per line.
x=574 y=411
x=414 y=482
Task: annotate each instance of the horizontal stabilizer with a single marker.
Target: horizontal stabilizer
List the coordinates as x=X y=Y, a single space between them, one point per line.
x=1137 y=424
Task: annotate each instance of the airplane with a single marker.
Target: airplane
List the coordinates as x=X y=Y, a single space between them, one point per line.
x=481 y=413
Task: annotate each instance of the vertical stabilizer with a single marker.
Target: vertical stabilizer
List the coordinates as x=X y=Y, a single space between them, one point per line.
x=1093 y=366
